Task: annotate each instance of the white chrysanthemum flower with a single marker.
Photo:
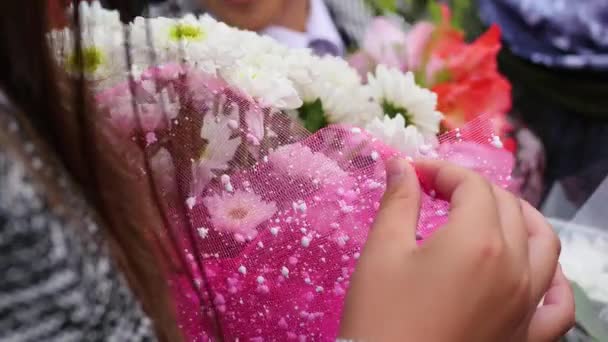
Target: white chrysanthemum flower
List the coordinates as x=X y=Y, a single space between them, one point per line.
x=299 y=71
x=399 y=95
x=395 y=133
x=219 y=150
x=269 y=87
x=584 y=259
x=262 y=72
x=103 y=55
x=172 y=39
x=343 y=97
x=222 y=48
x=93 y=14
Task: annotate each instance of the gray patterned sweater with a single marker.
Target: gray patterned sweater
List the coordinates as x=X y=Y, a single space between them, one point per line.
x=57 y=281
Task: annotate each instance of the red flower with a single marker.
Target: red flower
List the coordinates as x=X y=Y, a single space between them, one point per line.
x=464 y=100
x=466 y=78
x=476 y=58
x=446 y=40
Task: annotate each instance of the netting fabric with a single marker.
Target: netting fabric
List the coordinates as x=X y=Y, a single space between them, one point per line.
x=269 y=218
x=262 y=222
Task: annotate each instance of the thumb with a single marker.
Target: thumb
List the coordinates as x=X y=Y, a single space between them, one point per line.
x=397 y=218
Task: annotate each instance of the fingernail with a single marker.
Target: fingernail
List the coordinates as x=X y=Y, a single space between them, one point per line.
x=395 y=171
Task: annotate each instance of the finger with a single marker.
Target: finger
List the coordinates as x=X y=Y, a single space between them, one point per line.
x=543 y=250
x=512 y=221
x=397 y=217
x=557 y=314
x=472 y=203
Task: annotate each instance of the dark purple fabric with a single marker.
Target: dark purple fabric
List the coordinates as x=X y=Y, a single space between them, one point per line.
x=571 y=34
x=322 y=47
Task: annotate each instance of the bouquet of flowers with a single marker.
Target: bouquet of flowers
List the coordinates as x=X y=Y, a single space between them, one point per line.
x=262 y=221
x=464 y=76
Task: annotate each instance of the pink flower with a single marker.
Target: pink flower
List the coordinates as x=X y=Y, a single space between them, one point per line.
x=299 y=161
x=362 y=62
x=417 y=40
x=239 y=213
x=386 y=43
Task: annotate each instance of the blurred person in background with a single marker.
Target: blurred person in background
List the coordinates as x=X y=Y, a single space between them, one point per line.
x=326 y=26
x=557 y=61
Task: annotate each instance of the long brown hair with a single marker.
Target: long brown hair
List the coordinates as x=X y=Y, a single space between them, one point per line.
x=60 y=114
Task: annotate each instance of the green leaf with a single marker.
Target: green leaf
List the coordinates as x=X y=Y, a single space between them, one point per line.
x=442 y=76
x=383 y=6
x=392 y=111
x=434 y=10
x=313 y=115
x=460 y=11
x=587 y=315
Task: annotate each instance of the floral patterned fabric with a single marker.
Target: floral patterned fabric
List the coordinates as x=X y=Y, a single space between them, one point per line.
x=558 y=33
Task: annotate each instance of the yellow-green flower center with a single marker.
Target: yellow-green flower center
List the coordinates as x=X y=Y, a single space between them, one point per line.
x=92 y=59
x=186 y=32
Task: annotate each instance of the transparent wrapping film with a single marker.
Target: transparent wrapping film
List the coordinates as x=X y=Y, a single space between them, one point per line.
x=269 y=220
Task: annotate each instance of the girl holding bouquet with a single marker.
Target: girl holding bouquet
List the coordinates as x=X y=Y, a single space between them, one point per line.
x=80 y=230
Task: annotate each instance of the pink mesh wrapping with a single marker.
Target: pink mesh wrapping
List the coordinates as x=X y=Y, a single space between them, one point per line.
x=267 y=219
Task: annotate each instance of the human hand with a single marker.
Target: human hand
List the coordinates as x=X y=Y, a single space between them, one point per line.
x=479 y=278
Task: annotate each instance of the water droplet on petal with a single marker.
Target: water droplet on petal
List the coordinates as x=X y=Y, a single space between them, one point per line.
x=233 y=124
x=203 y=232
x=306 y=241
x=441 y=212
x=497 y=142
x=285 y=271
x=242 y=269
x=191 y=202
